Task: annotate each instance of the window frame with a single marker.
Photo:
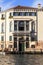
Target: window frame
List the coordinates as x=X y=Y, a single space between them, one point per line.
x=27 y=25
x=15 y=42
x=2 y=28
x=15 y=25
x=24 y=13
x=10 y=38
x=21 y=25
x=10 y=26
x=2 y=38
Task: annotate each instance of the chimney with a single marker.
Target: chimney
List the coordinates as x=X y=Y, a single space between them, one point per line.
x=39 y=6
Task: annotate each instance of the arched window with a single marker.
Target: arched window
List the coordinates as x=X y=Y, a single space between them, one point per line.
x=2 y=27
x=21 y=25
x=10 y=27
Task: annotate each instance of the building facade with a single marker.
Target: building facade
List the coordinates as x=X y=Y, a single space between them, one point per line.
x=21 y=28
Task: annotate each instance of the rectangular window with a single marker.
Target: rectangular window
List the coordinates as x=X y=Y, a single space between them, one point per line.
x=15 y=13
x=32 y=46
x=10 y=38
x=27 y=13
x=2 y=27
x=32 y=13
x=10 y=46
x=21 y=13
x=10 y=14
x=3 y=16
x=2 y=38
x=15 y=25
x=33 y=37
x=24 y=13
x=18 y=13
x=27 y=42
x=27 y=25
x=10 y=26
x=15 y=42
x=2 y=46
x=33 y=26
x=35 y=13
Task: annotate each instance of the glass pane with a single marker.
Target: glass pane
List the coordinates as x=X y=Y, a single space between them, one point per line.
x=10 y=38
x=27 y=25
x=33 y=13
x=15 y=42
x=15 y=25
x=2 y=26
x=33 y=26
x=10 y=26
x=2 y=38
x=21 y=25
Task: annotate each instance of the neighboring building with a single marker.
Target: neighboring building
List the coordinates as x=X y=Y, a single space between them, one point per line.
x=21 y=28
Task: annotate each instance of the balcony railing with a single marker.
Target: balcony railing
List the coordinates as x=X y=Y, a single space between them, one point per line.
x=10 y=16
x=2 y=18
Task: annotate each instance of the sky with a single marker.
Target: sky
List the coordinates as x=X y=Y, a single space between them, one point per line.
x=6 y=4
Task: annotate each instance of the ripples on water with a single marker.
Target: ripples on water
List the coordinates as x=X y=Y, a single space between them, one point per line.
x=21 y=59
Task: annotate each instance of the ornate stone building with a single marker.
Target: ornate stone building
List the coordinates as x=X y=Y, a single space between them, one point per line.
x=21 y=28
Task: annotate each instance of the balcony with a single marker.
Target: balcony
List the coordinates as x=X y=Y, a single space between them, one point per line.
x=24 y=18
x=2 y=18
x=10 y=17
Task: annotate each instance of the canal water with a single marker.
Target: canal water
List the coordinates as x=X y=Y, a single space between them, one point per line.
x=21 y=59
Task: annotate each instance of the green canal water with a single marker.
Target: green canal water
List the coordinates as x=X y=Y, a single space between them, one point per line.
x=21 y=59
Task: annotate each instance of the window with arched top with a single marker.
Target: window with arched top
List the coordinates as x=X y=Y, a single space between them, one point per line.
x=21 y=25
x=10 y=27
x=2 y=27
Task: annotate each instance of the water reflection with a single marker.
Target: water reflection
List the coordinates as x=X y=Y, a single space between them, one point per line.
x=21 y=59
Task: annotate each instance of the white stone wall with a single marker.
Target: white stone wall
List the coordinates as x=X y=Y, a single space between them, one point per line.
x=40 y=25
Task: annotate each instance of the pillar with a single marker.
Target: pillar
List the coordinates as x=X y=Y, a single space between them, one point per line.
x=29 y=31
x=25 y=36
x=17 y=43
